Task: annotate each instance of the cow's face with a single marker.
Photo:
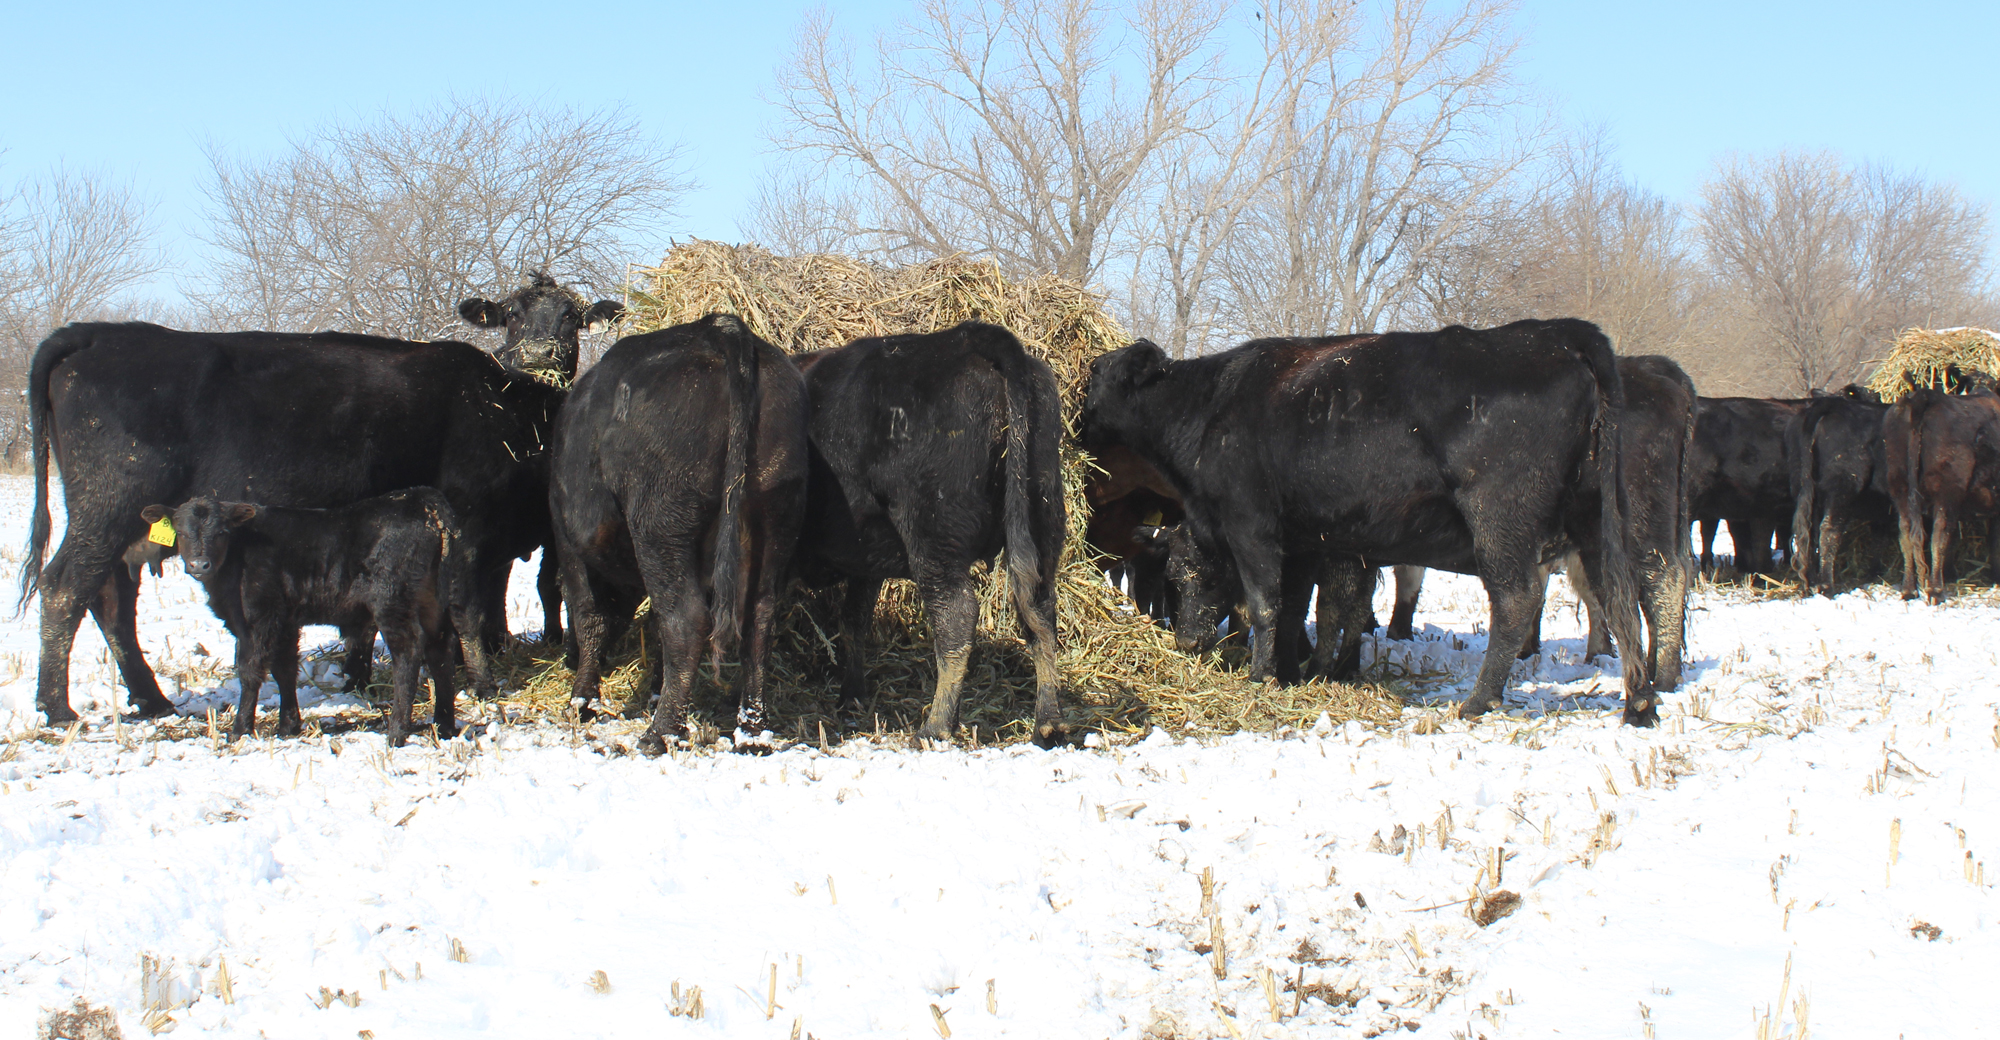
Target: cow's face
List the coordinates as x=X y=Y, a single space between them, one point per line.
x=203 y=528
x=1110 y=394
x=542 y=321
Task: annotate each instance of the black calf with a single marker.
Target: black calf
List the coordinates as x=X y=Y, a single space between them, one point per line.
x=397 y=563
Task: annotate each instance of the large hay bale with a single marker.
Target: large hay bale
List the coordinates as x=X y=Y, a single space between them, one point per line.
x=1120 y=671
x=1935 y=358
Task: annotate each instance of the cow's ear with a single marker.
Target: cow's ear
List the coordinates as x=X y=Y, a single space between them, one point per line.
x=1148 y=361
x=603 y=312
x=236 y=514
x=153 y=513
x=483 y=313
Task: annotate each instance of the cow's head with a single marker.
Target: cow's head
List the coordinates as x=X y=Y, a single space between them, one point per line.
x=203 y=528
x=542 y=320
x=1202 y=584
x=1110 y=396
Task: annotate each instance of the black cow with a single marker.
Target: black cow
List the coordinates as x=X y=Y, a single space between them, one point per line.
x=1655 y=438
x=1943 y=461
x=1458 y=448
x=680 y=474
x=1840 y=479
x=135 y=414
x=541 y=322
x=932 y=453
x=1740 y=470
x=398 y=563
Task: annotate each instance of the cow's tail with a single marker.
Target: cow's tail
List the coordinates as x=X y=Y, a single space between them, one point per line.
x=54 y=350
x=1618 y=567
x=1032 y=581
x=728 y=580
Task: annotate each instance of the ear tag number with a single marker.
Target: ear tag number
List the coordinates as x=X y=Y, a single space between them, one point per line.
x=161 y=533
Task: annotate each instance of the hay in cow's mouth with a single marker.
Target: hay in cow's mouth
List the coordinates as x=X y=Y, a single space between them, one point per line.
x=1121 y=672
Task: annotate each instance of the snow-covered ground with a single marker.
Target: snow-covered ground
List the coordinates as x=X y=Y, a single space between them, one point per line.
x=1813 y=804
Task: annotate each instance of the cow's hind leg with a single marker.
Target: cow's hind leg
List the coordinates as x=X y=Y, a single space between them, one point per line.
x=405 y=659
x=1515 y=603
x=1940 y=561
x=1663 y=586
x=63 y=606
x=582 y=591
x=857 y=621
x=1910 y=539
x=680 y=617
x=1035 y=609
x=444 y=681
x=953 y=612
x=116 y=613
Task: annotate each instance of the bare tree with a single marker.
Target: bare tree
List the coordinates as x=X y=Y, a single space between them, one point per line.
x=1578 y=241
x=1213 y=175
x=1830 y=260
x=71 y=245
x=1022 y=130
x=384 y=226
x=1430 y=123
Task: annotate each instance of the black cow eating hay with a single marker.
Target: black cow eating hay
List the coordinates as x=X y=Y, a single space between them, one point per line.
x=679 y=474
x=1458 y=448
x=932 y=453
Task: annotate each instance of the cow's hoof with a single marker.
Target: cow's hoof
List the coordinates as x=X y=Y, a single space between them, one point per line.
x=934 y=735
x=1050 y=733
x=1474 y=707
x=753 y=742
x=1643 y=712
x=653 y=745
x=153 y=708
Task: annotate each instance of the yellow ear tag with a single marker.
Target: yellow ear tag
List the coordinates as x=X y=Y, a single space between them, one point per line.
x=161 y=533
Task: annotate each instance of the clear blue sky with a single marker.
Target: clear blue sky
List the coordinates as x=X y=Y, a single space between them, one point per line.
x=136 y=89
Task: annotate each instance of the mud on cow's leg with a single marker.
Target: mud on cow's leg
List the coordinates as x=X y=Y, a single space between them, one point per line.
x=953 y=611
x=1515 y=603
x=1035 y=610
x=116 y=613
x=587 y=626
x=62 y=610
x=680 y=615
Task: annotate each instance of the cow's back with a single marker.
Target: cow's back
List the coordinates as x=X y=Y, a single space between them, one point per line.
x=909 y=430
x=1370 y=439
x=145 y=414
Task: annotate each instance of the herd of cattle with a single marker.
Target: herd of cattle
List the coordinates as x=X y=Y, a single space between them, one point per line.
x=381 y=485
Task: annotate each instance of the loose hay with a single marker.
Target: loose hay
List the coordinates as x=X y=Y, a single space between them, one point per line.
x=1120 y=671
x=1936 y=358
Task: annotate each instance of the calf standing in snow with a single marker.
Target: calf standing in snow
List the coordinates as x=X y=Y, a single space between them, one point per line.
x=396 y=563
